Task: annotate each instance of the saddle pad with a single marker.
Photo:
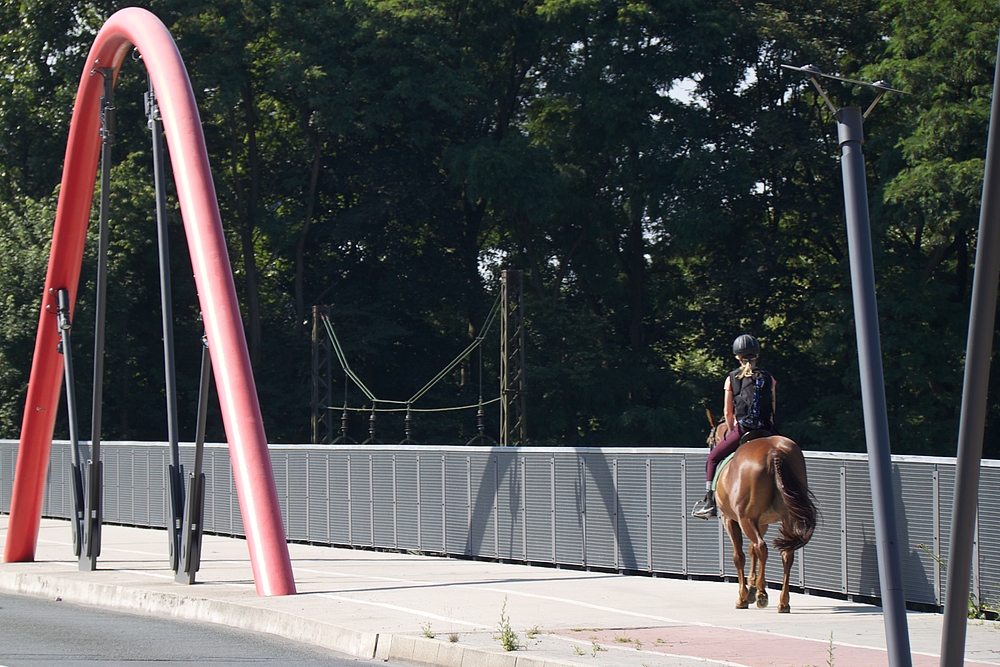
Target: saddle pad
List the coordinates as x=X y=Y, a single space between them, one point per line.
x=718 y=471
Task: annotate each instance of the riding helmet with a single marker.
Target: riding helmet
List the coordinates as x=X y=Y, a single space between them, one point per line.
x=746 y=346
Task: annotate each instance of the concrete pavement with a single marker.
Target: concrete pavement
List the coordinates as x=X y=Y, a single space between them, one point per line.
x=410 y=608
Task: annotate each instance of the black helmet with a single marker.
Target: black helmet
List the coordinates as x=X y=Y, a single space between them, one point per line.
x=746 y=346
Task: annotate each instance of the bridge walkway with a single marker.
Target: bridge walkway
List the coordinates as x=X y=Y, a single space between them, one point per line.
x=415 y=609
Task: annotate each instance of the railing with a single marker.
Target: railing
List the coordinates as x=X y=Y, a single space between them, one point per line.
x=611 y=508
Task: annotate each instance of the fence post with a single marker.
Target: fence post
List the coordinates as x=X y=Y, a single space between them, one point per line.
x=649 y=516
x=524 y=509
x=552 y=485
x=614 y=523
x=350 y=502
x=684 y=519
x=843 y=528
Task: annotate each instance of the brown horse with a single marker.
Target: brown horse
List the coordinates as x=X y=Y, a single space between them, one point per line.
x=764 y=483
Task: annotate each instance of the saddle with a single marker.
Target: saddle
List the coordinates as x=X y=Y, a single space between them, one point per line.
x=753 y=435
x=744 y=439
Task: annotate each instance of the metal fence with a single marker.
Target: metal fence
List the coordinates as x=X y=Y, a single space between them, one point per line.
x=607 y=508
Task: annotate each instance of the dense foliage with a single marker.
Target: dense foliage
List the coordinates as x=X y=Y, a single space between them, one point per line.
x=664 y=184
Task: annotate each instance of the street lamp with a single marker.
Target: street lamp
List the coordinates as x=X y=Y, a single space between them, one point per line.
x=850 y=133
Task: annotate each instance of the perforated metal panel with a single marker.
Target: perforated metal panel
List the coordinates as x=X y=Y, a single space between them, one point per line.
x=704 y=538
x=989 y=537
x=602 y=510
x=946 y=490
x=539 y=509
x=458 y=501
x=633 y=513
x=916 y=513
x=408 y=528
x=431 y=495
x=862 y=559
x=669 y=510
x=338 y=498
x=511 y=503
x=483 y=531
x=605 y=508
x=570 y=496
x=826 y=567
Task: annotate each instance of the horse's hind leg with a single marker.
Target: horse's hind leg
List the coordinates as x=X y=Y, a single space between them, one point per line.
x=787 y=558
x=758 y=548
x=739 y=560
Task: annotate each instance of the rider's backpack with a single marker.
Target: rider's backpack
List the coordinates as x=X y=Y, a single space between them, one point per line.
x=752 y=399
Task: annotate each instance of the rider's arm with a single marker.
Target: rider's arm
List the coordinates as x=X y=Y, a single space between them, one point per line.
x=729 y=411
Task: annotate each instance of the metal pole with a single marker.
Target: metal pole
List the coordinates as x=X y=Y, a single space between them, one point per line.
x=850 y=132
x=94 y=492
x=190 y=548
x=972 y=424
x=175 y=473
x=505 y=388
x=62 y=300
x=316 y=416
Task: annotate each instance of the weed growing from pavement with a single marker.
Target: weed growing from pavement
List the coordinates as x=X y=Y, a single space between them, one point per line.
x=507 y=637
x=978 y=609
x=426 y=627
x=453 y=637
x=532 y=632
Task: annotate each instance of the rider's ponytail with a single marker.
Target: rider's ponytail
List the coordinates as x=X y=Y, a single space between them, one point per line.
x=747 y=367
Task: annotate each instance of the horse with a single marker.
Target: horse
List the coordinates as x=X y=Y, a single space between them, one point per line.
x=764 y=483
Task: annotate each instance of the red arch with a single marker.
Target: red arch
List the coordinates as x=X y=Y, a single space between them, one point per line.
x=213 y=278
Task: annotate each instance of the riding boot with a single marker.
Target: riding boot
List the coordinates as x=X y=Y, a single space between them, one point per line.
x=705 y=508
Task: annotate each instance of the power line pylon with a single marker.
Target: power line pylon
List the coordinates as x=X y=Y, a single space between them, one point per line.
x=322 y=380
x=513 y=431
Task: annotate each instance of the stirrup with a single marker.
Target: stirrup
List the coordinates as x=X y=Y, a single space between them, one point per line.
x=704 y=510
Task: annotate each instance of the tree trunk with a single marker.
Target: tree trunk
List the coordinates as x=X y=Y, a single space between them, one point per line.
x=635 y=272
x=246 y=208
x=300 y=246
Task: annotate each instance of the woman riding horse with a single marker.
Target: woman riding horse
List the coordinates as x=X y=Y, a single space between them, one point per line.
x=750 y=400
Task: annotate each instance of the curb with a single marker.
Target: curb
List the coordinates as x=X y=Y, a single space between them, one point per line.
x=365 y=645
x=282 y=624
x=421 y=651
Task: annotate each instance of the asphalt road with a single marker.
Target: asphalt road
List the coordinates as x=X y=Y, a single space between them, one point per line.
x=36 y=632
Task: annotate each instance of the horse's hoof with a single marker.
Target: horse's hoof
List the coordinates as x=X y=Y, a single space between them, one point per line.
x=753 y=593
x=743 y=604
x=784 y=609
x=762 y=601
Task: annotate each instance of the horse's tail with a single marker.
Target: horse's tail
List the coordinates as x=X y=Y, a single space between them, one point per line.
x=798 y=499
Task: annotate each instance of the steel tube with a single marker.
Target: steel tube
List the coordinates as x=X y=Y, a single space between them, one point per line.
x=65 y=324
x=240 y=409
x=94 y=491
x=851 y=135
x=972 y=423
x=174 y=473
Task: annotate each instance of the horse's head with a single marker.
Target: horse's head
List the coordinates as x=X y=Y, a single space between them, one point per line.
x=718 y=432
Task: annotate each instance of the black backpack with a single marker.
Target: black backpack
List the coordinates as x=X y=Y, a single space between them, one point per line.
x=752 y=399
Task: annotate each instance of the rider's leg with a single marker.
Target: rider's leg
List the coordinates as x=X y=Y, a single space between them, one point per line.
x=720 y=452
x=706 y=507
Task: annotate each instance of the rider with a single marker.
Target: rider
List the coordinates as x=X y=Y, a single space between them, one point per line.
x=750 y=402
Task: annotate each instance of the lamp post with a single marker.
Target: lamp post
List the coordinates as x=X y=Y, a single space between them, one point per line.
x=850 y=132
x=972 y=424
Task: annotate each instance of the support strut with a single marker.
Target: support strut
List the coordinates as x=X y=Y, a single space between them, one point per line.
x=94 y=492
x=76 y=472
x=175 y=473
x=190 y=549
